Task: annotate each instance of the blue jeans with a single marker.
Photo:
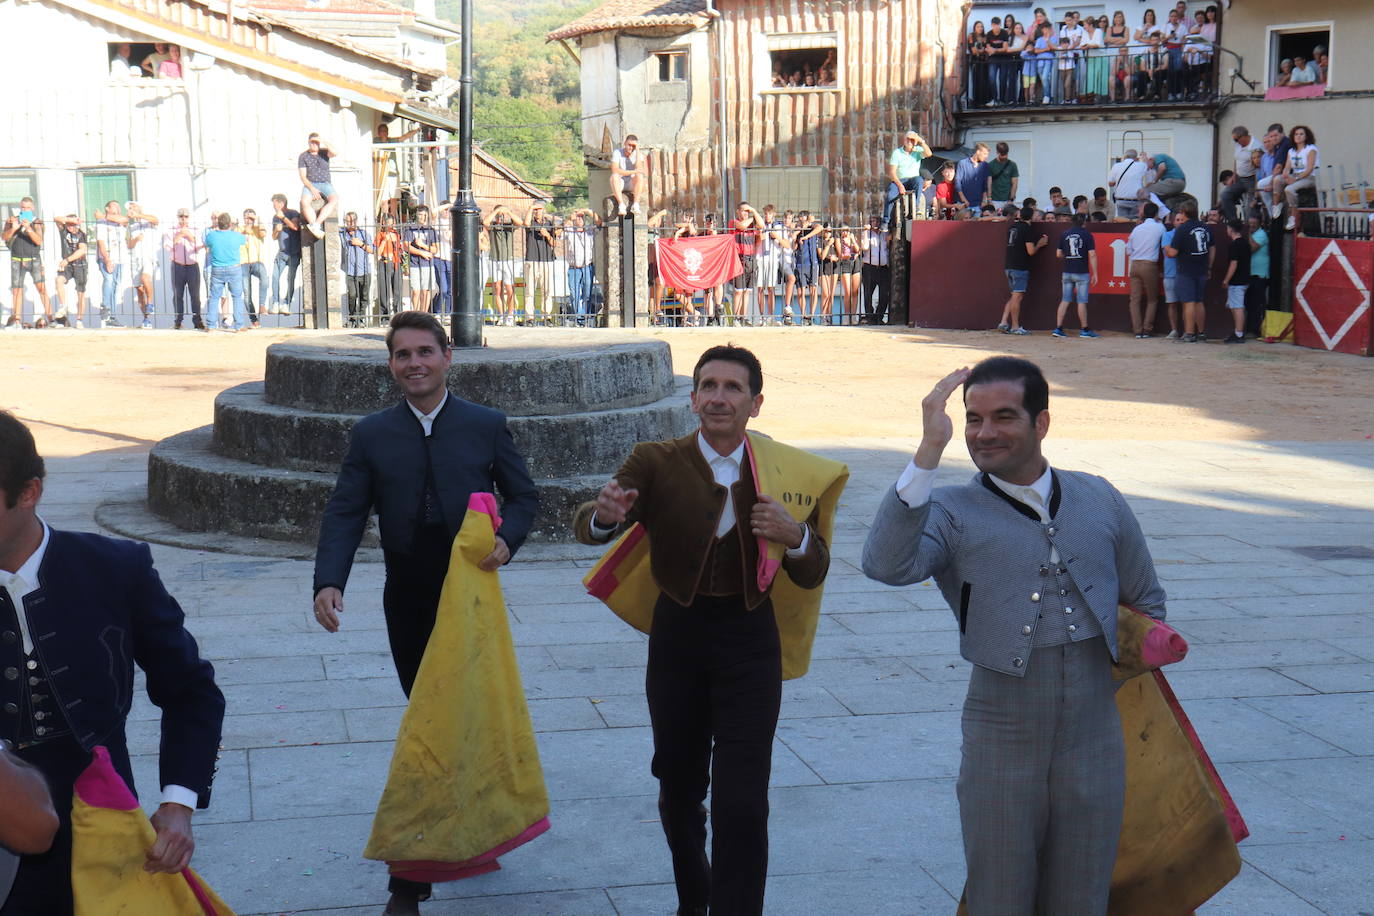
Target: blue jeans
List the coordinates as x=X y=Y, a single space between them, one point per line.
x=1075 y=288
x=580 y=288
x=289 y=263
x=109 y=287
x=894 y=191
x=259 y=270
x=219 y=276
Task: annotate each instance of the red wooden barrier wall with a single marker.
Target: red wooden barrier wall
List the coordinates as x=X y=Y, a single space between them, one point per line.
x=1331 y=283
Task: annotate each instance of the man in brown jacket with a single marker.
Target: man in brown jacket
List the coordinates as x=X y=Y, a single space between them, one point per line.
x=714 y=679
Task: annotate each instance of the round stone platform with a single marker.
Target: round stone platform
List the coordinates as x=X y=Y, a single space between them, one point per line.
x=577 y=401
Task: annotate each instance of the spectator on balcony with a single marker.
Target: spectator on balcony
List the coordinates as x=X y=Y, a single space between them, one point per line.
x=1096 y=61
x=150 y=64
x=355 y=253
x=121 y=68
x=1305 y=73
x=1066 y=72
x=1117 y=41
x=1004 y=177
x=286 y=232
x=1244 y=175
x=1044 y=51
x=170 y=69
x=629 y=173
x=905 y=175
x=1175 y=34
x=422 y=244
x=319 y=200
x=1022 y=68
x=976 y=51
x=999 y=63
x=1285 y=75
x=1319 y=57
x=971 y=177
x=1299 y=172
x=1164 y=179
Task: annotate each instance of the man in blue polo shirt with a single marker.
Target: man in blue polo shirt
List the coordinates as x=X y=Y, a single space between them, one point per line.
x=1077 y=250
x=971 y=178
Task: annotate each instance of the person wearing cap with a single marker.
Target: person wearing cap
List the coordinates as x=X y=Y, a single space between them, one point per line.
x=904 y=174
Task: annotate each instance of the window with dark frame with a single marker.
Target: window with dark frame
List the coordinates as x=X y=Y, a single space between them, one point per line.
x=139 y=51
x=672 y=66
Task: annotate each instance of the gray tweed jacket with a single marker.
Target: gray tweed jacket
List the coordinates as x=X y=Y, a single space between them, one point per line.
x=990 y=555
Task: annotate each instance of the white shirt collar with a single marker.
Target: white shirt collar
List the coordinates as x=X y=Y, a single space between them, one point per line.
x=27 y=574
x=711 y=455
x=427 y=419
x=1028 y=494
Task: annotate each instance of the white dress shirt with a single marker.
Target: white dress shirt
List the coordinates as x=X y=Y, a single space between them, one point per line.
x=726 y=471
x=25 y=580
x=427 y=419
x=1144 y=242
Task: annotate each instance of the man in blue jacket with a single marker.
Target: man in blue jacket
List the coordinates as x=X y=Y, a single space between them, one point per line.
x=76 y=612
x=416 y=464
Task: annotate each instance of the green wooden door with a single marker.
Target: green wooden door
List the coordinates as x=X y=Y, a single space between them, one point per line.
x=97 y=188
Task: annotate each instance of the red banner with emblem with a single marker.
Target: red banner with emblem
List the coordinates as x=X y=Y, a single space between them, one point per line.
x=1332 y=279
x=700 y=262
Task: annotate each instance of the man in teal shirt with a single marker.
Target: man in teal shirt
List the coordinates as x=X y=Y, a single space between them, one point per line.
x=225 y=246
x=1257 y=296
x=1165 y=177
x=904 y=173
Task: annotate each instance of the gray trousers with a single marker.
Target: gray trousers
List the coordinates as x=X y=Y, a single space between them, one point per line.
x=1042 y=784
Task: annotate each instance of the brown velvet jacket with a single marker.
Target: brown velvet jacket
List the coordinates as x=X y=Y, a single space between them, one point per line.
x=679 y=505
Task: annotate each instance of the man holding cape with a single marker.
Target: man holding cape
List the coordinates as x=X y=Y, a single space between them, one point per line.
x=723 y=552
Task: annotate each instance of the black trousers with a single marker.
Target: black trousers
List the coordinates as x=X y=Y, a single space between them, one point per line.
x=410 y=600
x=714 y=685
x=388 y=288
x=876 y=286
x=186 y=281
x=357 y=299
x=43 y=886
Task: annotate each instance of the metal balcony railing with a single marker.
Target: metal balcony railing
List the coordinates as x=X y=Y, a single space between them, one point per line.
x=1097 y=77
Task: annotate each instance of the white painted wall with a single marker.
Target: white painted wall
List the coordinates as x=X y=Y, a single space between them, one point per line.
x=600 y=89
x=1077 y=156
x=221 y=139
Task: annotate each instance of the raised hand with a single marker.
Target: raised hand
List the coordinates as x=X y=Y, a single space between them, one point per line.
x=613 y=504
x=936 y=427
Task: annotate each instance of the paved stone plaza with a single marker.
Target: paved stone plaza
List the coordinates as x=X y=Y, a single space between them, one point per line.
x=1279 y=683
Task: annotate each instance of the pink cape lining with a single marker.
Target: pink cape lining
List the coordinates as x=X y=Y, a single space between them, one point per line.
x=486 y=504
x=438 y=872
x=100 y=786
x=768 y=567
x=1239 y=830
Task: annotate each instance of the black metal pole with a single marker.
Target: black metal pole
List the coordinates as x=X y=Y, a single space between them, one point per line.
x=465 y=270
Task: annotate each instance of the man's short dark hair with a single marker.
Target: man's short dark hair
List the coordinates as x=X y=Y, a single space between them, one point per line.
x=1036 y=391
x=1150 y=210
x=1080 y=199
x=279 y=197
x=1029 y=202
x=224 y=221
x=1027 y=213
x=1080 y=219
x=1098 y=216
x=1225 y=176
x=1276 y=126
x=19 y=458
x=1189 y=209
x=1236 y=225
x=419 y=321
x=1002 y=147
x=732 y=354
x=1057 y=190
x=1099 y=193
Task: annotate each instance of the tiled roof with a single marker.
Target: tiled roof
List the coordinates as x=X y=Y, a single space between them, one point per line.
x=631 y=14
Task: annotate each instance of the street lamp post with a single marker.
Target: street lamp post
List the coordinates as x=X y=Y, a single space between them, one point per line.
x=466 y=269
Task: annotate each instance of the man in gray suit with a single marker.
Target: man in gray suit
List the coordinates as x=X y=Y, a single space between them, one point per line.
x=1033 y=561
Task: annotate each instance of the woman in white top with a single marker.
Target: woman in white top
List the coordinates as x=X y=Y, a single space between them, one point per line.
x=1299 y=171
x=1096 y=63
x=1148 y=26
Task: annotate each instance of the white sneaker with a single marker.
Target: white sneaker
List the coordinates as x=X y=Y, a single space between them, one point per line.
x=1292 y=223
x=634 y=208
x=79 y=325
x=1275 y=210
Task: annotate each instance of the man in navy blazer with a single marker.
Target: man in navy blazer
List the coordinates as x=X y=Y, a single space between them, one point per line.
x=77 y=611
x=417 y=464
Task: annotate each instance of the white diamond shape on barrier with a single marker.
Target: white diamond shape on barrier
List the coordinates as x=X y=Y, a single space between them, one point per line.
x=1332 y=250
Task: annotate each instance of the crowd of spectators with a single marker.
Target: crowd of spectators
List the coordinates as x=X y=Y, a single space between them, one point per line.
x=1091 y=60
x=163 y=62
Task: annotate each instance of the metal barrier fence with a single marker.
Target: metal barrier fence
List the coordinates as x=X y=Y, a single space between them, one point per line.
x=1090 y=76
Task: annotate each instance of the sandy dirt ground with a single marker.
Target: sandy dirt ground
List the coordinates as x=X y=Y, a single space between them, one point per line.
x=84 y=392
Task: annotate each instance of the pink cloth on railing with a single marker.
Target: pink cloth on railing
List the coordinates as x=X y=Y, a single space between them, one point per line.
x=1310 y=91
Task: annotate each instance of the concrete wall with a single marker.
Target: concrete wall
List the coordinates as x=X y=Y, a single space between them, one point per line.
x=665 y=114
x=600 y=90
x=1078 y=156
